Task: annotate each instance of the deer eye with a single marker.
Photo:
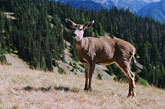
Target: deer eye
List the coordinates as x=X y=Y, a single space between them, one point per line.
x=81 y=29
x=73 y=28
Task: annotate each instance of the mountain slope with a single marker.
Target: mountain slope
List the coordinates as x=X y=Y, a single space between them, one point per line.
x=151 y=8
x=25 y=88
x=154 y=10
x=133 y=5
x=86 y=4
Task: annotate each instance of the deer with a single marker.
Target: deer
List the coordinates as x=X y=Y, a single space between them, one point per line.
x=103 y=51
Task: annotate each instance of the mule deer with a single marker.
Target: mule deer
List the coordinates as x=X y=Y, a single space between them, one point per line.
x=103 y=51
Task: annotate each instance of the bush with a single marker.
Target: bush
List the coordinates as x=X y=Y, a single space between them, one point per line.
x=3 y=57
x=75 y=67
x=141 y=80
x=61 y=71
x=99 y=76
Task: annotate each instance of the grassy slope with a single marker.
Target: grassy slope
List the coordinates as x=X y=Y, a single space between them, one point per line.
x=23 y=88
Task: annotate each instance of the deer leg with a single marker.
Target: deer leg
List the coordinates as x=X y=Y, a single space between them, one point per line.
x=86 y=65
x=92 y=68
x=131 y=84
x=125 y=67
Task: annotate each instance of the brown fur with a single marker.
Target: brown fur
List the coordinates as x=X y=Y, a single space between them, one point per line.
x=104 y=51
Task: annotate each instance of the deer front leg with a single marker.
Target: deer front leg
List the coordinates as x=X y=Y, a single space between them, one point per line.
x=86 y=65
x=92 y=68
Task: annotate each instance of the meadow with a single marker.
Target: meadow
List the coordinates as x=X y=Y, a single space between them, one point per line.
x=24 y=88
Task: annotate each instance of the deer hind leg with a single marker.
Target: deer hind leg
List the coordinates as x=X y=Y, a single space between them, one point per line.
x=131 y=78
x=87 y=67
x=125 y=67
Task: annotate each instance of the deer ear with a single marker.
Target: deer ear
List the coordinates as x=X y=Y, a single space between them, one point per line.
x=88 y=24
x=71 y=23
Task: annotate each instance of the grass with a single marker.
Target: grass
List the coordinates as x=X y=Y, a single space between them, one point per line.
x=23 y=88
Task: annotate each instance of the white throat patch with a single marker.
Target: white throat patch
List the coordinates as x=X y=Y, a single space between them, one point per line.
x=79 y=34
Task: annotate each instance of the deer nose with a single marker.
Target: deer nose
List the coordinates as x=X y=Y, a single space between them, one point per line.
x=74 y=35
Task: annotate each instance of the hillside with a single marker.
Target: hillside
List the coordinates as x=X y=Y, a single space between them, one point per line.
x=24 y=88
x=37 y=32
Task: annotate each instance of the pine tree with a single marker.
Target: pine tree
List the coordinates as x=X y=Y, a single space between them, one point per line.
x=100 y=29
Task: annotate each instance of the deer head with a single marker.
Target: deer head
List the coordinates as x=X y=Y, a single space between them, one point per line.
x=78 y=29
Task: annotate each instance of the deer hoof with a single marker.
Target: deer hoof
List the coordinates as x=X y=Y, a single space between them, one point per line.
x=132 y=95
x=90 y=89
x=85 y=88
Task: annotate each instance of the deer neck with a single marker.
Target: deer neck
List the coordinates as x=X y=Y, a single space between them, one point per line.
x=79 y=49
x=78 y=45
x=82 y=45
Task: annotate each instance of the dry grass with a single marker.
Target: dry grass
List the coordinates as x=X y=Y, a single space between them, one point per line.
x=23 y=88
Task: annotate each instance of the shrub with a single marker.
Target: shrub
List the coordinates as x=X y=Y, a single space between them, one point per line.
x=141 y=80
x=99 y=76
x=61 y=71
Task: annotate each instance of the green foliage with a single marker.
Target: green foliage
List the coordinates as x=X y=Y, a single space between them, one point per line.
x=75 y=67
x=114 y=70
x=141 y=80
x=134 y=67
x=33 y=36
x=61 y=70
x=110 y=70
x=99 y=76
x=3 y=59
x=4 y=38
x=100 y=29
